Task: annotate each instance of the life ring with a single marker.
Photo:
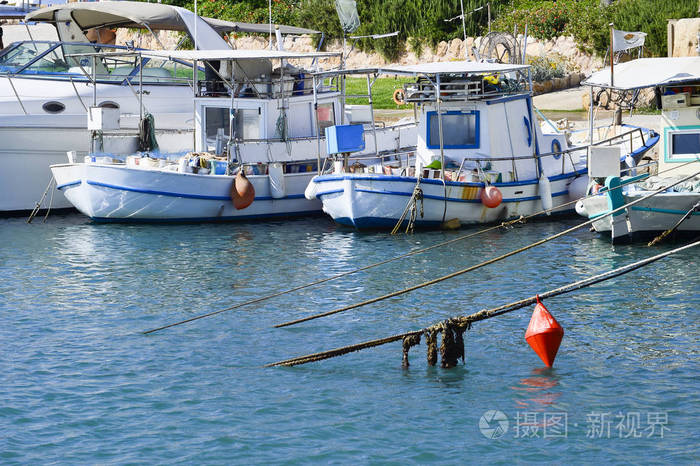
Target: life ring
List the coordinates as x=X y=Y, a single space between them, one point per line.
x=399 y=96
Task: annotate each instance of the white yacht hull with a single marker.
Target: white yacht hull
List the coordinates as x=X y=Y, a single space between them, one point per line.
x=379 y=201
x=34 y=141
x=120 y=193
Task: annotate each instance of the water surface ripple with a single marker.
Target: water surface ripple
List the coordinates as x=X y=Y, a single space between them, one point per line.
x=81 y=384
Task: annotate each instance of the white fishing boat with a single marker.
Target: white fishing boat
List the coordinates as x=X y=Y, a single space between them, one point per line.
x=262 y=117
x=677 y=84
x=480 y=154
x=46 y=91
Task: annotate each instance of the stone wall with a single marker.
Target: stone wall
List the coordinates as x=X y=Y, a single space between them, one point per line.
x=683 y=37
x=445 y=51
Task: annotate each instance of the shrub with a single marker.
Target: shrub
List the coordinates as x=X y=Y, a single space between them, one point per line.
x=547 y=67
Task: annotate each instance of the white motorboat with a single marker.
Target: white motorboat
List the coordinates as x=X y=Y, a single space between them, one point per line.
x=478 y=145
x=46 y=90
x=677 y=84
x=263 y=117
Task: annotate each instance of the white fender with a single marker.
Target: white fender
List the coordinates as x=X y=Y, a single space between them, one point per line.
x=278 y=188
x=581 y=208
x=311 y=189
x=545 y=192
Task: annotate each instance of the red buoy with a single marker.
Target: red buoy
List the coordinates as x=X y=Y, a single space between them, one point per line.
x=544 y=334
x=491 y=196
x=242 y=191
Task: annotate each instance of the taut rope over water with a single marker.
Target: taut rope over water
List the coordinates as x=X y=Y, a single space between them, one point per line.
x=507 y=224
x=482 y=264
x=460 y=324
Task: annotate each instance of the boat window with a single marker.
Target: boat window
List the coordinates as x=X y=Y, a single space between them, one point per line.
x=300 y=120
x=685 y=143
x=53 y=107
x=18 y=55
x=83 y=64
x=248 y=123
x=215 y=120
x=460 y=130
x=326 y=117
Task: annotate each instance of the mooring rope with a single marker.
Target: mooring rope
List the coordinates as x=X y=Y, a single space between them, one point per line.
x=658 y=239
x=48 y=210
x=507 y=224
x=464 y=322
x=482 y=264
x=37 y=207
x=410 y=205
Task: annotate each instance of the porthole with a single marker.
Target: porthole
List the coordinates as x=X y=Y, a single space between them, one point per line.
x=53 y=107
x=556 y=148
x=109 y=104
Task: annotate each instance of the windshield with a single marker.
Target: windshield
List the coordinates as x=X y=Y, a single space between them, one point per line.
x=60 y=60
x=18 y=55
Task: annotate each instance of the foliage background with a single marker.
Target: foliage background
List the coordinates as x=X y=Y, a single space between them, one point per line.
x=421 y=23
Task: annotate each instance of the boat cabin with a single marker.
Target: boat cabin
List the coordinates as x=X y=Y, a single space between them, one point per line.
x=259 y=103
x=677 y=86
x=476 y=119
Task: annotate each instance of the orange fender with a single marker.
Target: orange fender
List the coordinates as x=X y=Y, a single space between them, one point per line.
x=242 y=191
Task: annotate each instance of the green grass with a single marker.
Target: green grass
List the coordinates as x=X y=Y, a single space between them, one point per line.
x=382 y=91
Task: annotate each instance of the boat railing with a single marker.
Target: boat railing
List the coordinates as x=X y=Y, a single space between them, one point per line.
x=632 y=134
x=466 y=88
x=393 y=159
x=261 y=87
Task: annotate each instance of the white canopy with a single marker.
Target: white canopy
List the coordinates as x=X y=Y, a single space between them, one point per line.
x=137 y=14
x=445 y=67
x=647 y=72
x=229 y=54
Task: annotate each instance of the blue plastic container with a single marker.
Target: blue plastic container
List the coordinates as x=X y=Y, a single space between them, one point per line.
x=217 y=167
x=345 y=138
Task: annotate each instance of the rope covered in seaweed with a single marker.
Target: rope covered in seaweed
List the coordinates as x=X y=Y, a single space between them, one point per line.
x=464 y=322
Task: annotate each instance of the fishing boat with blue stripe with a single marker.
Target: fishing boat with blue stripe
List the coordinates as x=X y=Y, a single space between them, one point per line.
x=258 y=126
x=481 y=156
x=670 y=211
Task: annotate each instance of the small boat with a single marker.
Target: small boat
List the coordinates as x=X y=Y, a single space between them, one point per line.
x=677 y=85
x=261 y=118
x=480 y=155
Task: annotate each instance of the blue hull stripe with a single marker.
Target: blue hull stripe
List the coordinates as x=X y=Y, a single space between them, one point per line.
x=187 y=196
x=662 y=211
x=440 y=198
x=332 y=191
x=411 y=179
x=648 y=209
x=68 y=185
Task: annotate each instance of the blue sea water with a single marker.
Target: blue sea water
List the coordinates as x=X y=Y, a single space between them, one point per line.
x=82 y=384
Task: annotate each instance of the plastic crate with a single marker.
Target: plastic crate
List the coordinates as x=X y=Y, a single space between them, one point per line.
x=345 y=138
